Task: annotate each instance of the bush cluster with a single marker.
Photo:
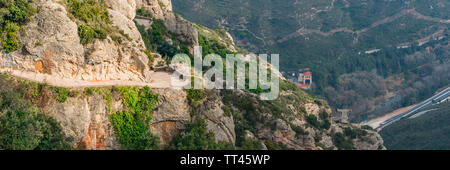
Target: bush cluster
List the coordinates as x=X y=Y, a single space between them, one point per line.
x=212 y=46
x=341 y=142
x=132 y=126
x=22 y=125
x=314 y=122
x=194 y=96
x=155 y=40
x=197 y=137
x=144 y=12
x=62 y=94
x=354 y=133
x=13 y=14
x=133 y=134
x=92 y=18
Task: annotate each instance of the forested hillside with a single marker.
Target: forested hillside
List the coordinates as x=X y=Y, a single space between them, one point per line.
x=430 y=131
x=367 y=55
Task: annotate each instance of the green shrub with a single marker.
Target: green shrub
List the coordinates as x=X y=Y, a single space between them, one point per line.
x=13 y=14
x=312 y=120
x=25 y=130
x=271 y=145
x=354 y=133
x=30 y=90
x=86 y=34
x=341 y=142
x=63 y=93
x=320 y=102
x=144 y=12
x=196 y=137
x=367 y=127
x=212 y=46
x=139 y=101
x=326 y=124
x=88 y=91
x=323 y=115
x=92 y=18
x=132 y=126
x=194 y=95
x=155 y=40
x=22 y=125
x=299 y=131
x=226 y=111
x=251 y=144
x=150 y=56
x=133 y=134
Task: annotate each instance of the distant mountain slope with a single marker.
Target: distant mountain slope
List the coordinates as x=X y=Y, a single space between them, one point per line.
x=429 y=131
x=342 y=41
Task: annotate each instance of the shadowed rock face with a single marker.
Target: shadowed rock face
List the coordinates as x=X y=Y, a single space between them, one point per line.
x=162 y=9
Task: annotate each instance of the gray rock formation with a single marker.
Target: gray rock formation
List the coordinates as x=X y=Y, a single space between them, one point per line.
x=162 y=9
x=52 y=46
x=170 y=115
x=86 y=120
x=217 y=121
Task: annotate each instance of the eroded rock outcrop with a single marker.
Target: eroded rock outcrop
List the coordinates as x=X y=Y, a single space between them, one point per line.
x=162 y=9
x=51 y=45
x=216 y=120
x=170 y=115
x=85 y=119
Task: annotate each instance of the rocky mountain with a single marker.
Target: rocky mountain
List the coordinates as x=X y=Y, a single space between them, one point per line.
x=90 y=74
x=371 y=56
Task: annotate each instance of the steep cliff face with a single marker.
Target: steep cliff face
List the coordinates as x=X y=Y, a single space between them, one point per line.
x=86 y=117
x=162 y=9
x=51 y=45
x=233 y=116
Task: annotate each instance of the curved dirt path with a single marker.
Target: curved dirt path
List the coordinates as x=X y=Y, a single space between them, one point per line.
x=158 y=80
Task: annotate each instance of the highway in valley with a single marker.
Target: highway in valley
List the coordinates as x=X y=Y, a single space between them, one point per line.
x=444 y=94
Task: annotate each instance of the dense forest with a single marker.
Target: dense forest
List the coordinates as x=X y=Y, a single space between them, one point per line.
x=429 y=131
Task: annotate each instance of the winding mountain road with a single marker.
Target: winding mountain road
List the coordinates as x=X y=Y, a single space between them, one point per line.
x=439 y=96
x=158 y=80
x=413 y=12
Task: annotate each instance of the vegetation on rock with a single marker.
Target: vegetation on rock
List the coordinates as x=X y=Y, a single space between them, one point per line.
x=132 y=127
x=63 y=93
x=92 y=18
x=197 y=137
x=144 y=13
x=13 y=14
x=156 y=39
x=23 y=126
